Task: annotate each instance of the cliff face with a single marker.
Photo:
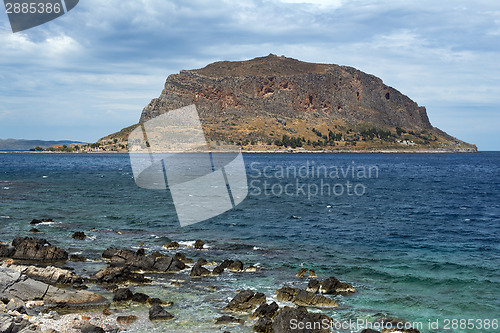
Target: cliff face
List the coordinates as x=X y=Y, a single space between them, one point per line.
x=276 y=102
x=288 y=88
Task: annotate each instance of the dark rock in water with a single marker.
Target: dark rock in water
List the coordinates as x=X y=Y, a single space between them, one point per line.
x=263 y=325
x=369 y=330
x=162 y=264
x=109 y=252
x=198 y=245
x=344 y=288
x=35 y=230
x=117 y=274
x=244 y=302
x=89 y=328
x=313 y=286
x=171 y=246
x=226 y=263
x=35 y=221
x=328 y=286
x=182 y=257
x=312 y=274
x=77 y=258
x=79 y=235
x=158 y=313
x=140 y=298
x=140 y=252
x=224 y=320
x=218 y=270
x=302 y=272
x=37 y=249
x=137 y=260
x=198 y=271
x=47 y=220
x=6 y=251
x=122 y=294
x=202 y=262
x=236 y=266
x=312 y=322
x=265 y=310
x=285 y=294
x=333 y=286
x=176 y=266
x=306 y=298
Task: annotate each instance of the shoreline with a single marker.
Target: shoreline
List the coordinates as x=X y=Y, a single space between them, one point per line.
x=279 y=151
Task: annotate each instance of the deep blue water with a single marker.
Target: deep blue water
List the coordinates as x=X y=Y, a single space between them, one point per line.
x=421 y=241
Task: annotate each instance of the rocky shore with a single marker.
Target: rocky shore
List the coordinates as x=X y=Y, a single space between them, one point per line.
x=39 y=293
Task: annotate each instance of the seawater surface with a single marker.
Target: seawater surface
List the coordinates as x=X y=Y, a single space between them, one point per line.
x=418 y=238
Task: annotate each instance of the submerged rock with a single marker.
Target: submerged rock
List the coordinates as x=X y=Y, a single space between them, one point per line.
x=224 y=320
x=89 y=328
x=141 y=298
x=126 y=320
x=158 y=313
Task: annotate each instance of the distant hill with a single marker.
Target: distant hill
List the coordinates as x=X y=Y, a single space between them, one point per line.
x=275 y=102
x=13 y=144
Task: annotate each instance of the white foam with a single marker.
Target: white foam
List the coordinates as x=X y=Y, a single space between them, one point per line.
x=45 y=176
x=4 y=217
x=6 y=188
x=187 y=243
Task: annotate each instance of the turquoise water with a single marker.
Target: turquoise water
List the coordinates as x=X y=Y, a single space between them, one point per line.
x=419 y=239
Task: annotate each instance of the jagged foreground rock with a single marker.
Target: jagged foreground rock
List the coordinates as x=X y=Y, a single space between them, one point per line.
x=255 y=102
x=15 y=285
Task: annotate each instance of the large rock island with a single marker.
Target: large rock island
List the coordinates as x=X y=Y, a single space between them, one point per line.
x=275 y=102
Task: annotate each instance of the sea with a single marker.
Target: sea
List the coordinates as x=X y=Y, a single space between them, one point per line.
x=417 y=234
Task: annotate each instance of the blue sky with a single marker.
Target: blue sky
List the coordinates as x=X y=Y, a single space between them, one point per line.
x=90 y=72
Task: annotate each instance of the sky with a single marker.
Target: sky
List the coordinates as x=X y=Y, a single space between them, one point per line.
x=90 y=72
